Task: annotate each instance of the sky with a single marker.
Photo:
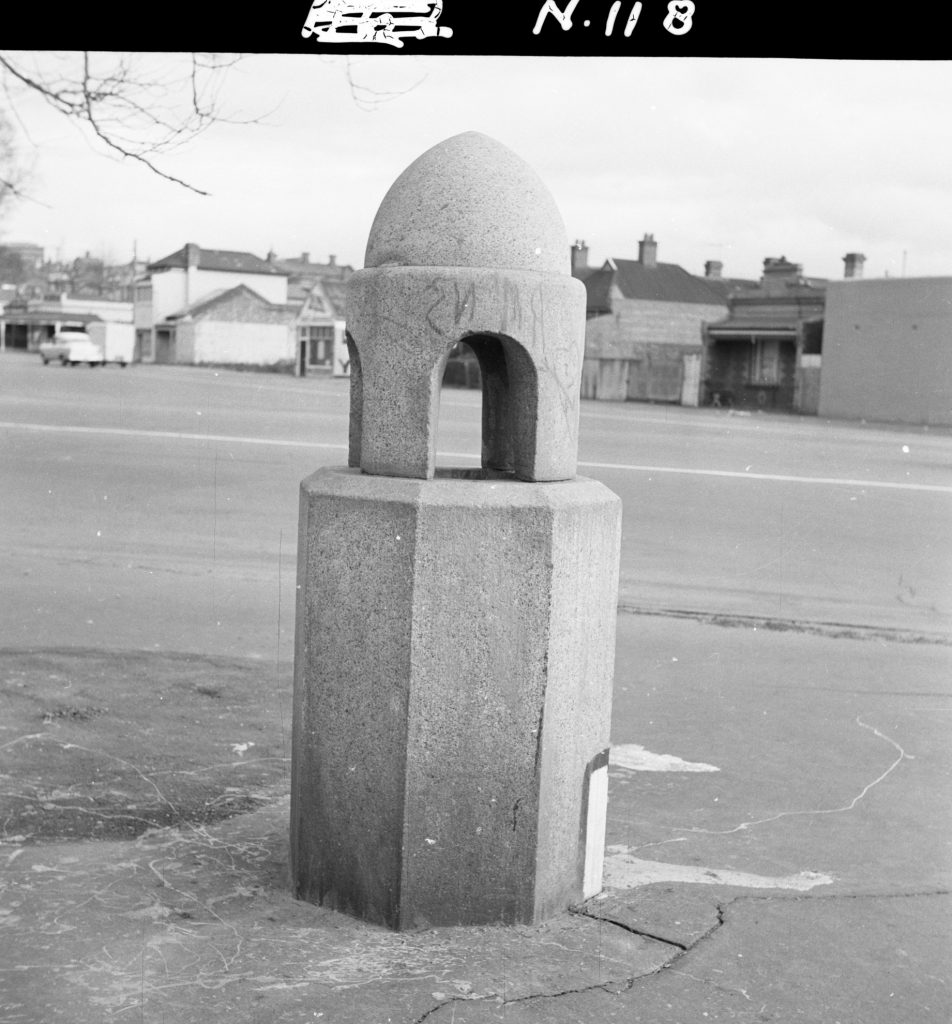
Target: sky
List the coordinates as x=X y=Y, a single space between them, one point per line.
x=729 y=159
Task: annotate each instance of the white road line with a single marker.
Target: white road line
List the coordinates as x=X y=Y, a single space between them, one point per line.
x=168 y=435
x=777 y=477
x=625 y=467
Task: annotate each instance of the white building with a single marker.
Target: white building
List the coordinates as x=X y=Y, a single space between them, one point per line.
x=190 y=276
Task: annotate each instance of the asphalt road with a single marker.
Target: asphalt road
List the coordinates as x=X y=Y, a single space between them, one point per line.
x=156 y=508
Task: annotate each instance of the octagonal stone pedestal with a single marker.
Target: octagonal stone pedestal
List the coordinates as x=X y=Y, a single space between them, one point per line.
x=452 y=695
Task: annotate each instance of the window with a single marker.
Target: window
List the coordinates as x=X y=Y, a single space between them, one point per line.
x=320 y=344
x=765 y=362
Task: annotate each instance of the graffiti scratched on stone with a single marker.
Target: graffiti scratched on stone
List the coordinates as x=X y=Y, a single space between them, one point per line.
x=360 y=21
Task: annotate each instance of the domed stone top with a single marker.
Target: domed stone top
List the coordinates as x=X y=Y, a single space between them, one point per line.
x=469 y=202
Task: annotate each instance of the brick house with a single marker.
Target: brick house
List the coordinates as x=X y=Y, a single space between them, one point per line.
x=765 y=354
x=644 y=322
x=234 y=327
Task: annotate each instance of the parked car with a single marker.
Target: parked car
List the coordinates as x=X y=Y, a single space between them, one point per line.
x=85 y=350
x=99 y=343
x=57 y=348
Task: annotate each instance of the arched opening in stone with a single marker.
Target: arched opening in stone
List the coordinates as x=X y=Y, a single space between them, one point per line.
x=508 y=380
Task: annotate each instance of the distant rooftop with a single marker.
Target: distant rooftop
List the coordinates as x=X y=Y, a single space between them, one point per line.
x=644 y=279
x=217 y=259
x=598 y=288
x=303 y=266
x=662 y=282
x=336 y=292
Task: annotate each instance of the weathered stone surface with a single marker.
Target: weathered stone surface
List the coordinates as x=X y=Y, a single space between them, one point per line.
x=453 y=677
x=528 y=332
x=467 y=245
x=455 y=630
x=469 y=201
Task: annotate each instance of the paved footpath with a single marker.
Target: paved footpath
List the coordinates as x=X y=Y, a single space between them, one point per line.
x=780 y=849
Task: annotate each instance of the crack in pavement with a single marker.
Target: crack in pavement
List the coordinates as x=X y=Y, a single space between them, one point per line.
x=500 y=1001
x=605 y=986
x=610 y=986
x=744 y=825
x=680 y=951
x=722 y=908
x=582 y=912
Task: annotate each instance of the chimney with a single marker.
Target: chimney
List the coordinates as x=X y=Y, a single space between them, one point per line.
x=780 y=275
x=192 y=254
x=332 y=260
x=648 y=251
x=305 y=257
x=854 y=264
x=713 y=269
x=579 y=256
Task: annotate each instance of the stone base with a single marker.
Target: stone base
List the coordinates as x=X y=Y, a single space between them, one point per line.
x=452 y=696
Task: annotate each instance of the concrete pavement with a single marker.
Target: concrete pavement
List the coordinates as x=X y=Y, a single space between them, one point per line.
x=779 y=850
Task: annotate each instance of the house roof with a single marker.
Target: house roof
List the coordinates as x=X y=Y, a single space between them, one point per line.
x=305 y=268
x=598 y=287
x=299 y=290
x=304 y=274
x=663 y=282
x=336 y=292
x=207 y=302
x=222 y=297
x=220 y=259
x=727 y=287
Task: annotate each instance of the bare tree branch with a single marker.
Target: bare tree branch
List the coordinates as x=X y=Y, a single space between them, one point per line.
x=367 y=98
x=139 y=106
x=12 y=174
x=142 y=106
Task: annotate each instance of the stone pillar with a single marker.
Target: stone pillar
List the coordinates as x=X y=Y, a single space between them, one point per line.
x=455 y=627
